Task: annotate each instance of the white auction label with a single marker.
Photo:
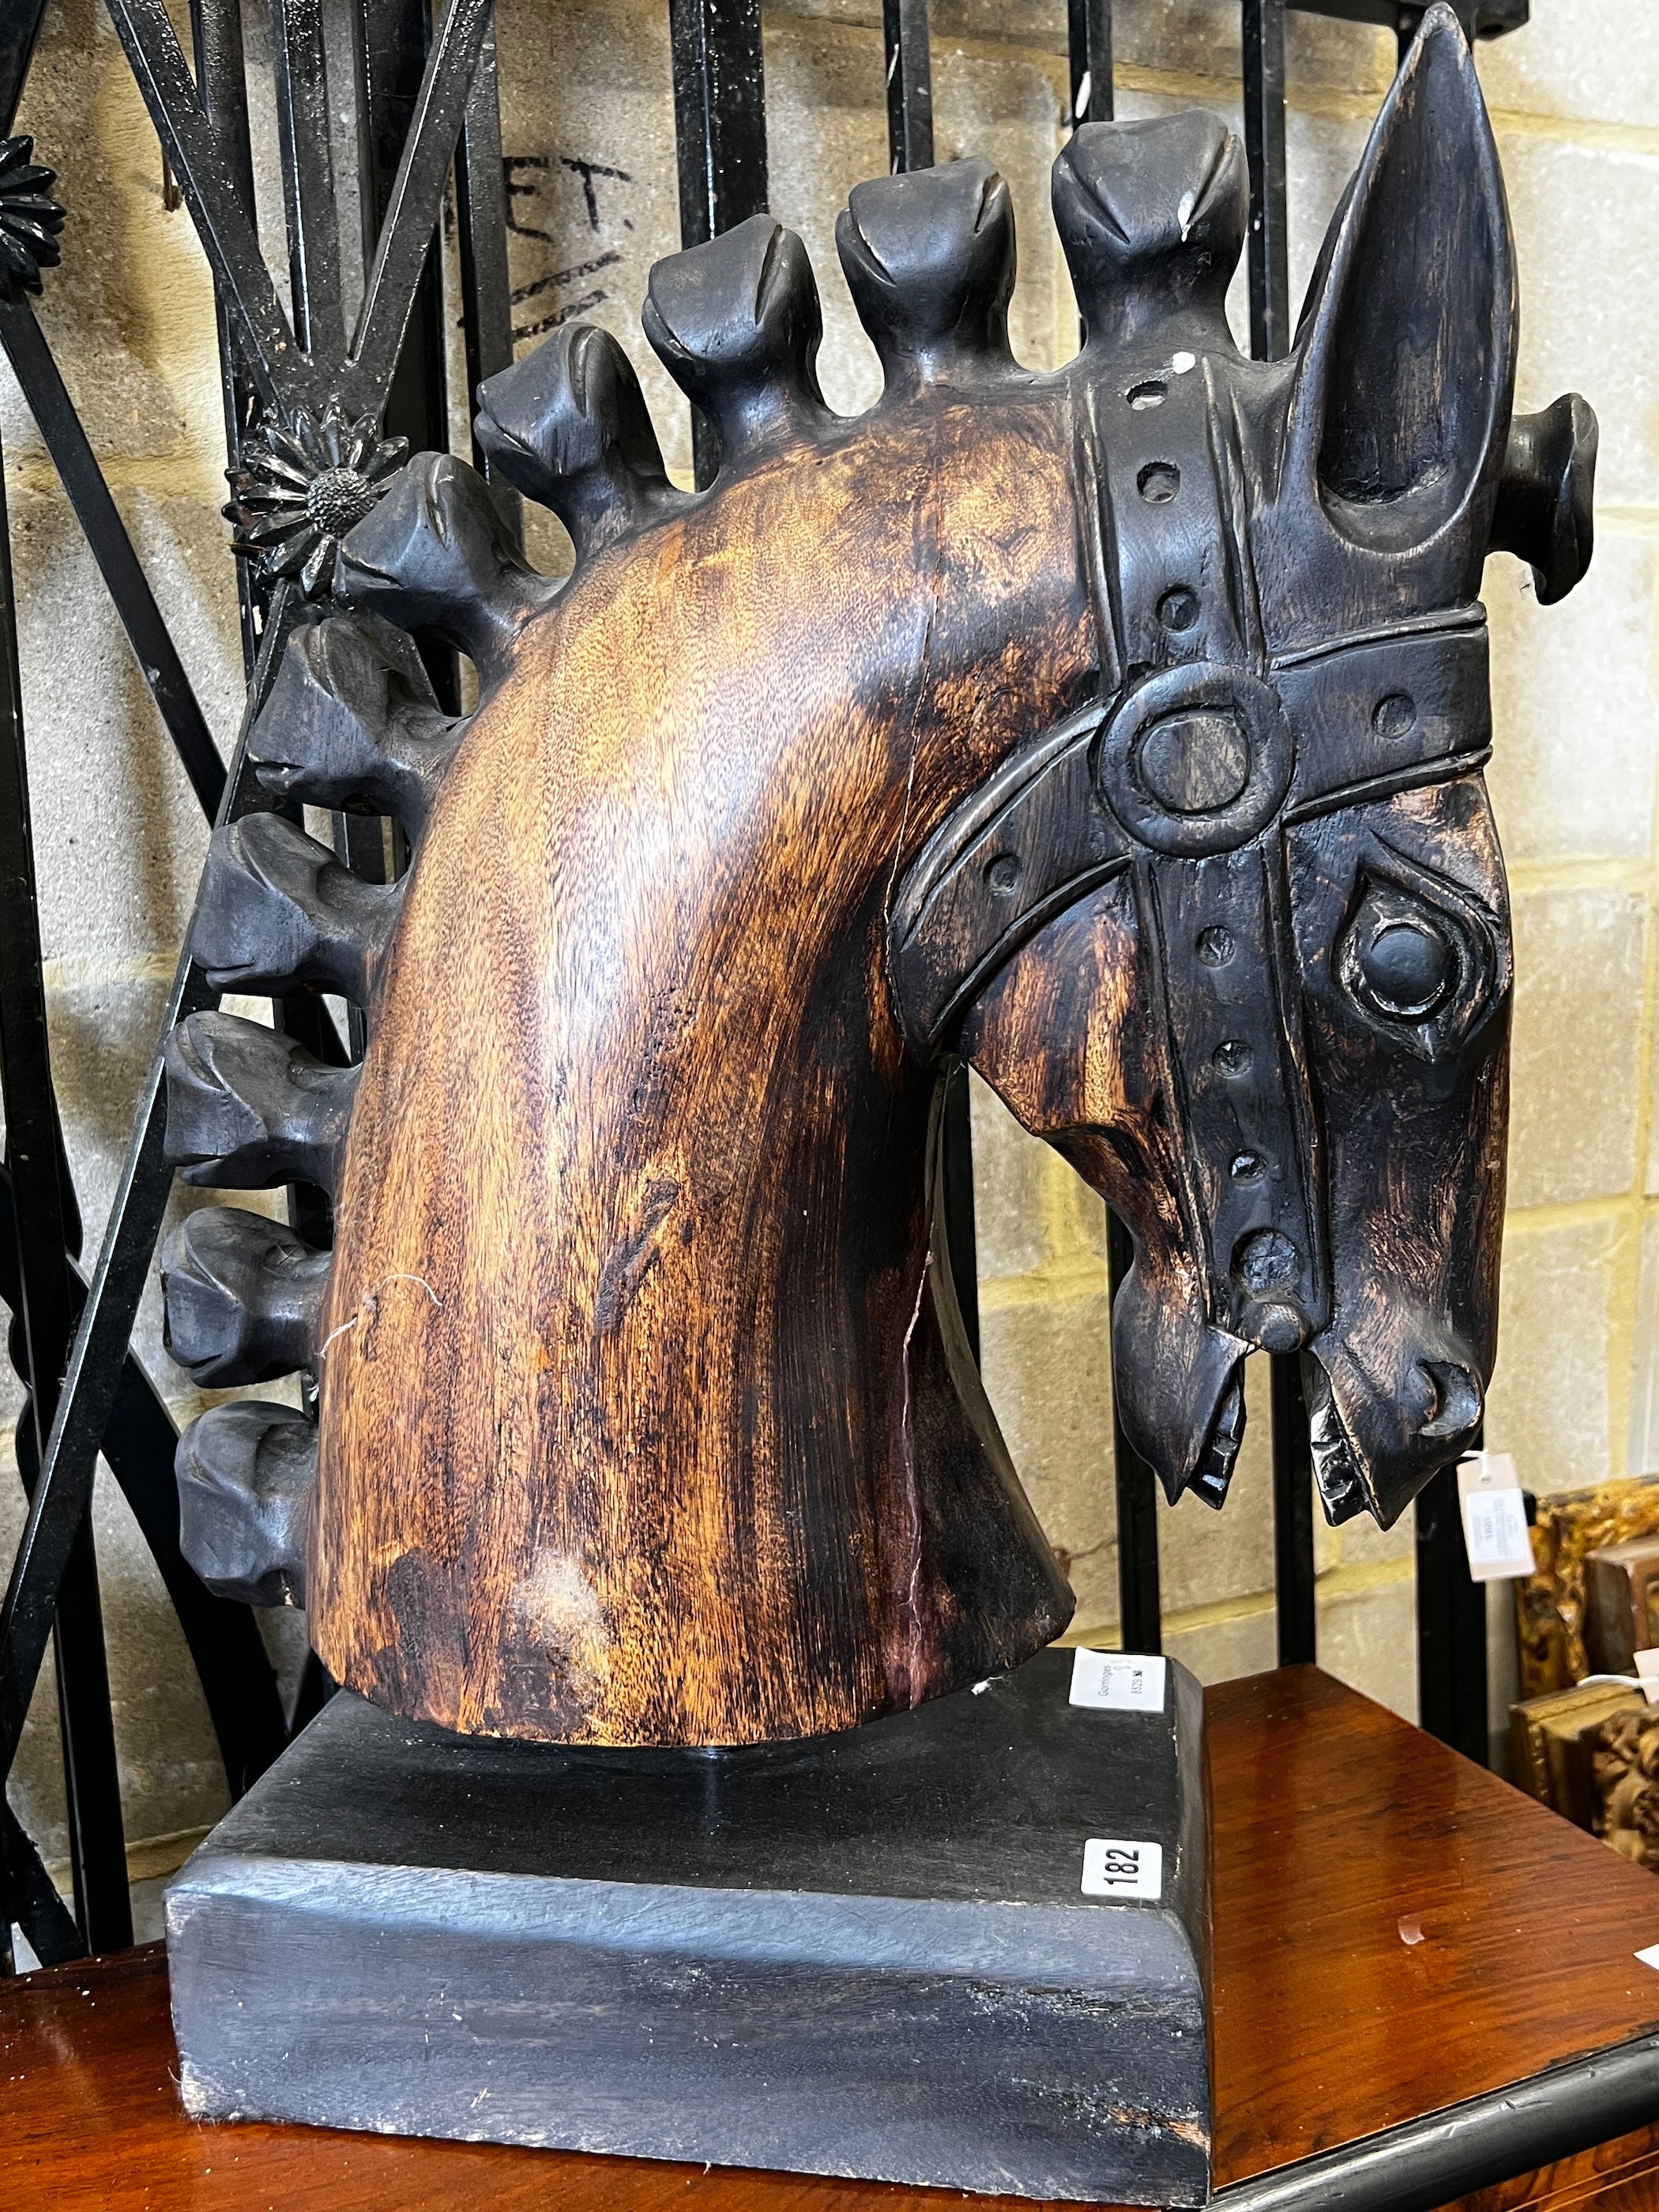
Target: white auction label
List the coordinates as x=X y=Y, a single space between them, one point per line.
x=1112 y=1867
x=1648 y=1958
x=1495 y=1532
x=1119 y=1680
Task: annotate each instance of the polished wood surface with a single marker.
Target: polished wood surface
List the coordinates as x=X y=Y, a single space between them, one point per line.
x=1340 y=1833
x=724 y=1473
x=1119 y=729
x=1616 y=2177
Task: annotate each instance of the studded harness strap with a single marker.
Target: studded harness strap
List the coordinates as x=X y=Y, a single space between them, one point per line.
x=1208 y=747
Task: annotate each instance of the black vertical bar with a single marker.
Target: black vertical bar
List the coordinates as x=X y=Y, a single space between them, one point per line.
x=396 y=37
x=719 y=131
x=1293 y=1524
x=311 y=209
x=1089 y=39
x=20 y=26
x=481 y=223
x=1263 y=23
x=222 y=80
x=957 y=1173
x=92 y=1788
x=1264 y=147
x=221 y=86
x=1140 y=1604
x=312 y=212
x=910 y=146
x=486 y=293
x=720 y=114
x=316 y=1685
x=308 y=163
x=1140 y=1609
x=909 y=85
x=1451 y=1625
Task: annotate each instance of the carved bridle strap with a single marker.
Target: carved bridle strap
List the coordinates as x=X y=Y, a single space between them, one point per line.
x=1038 y=834
x=1186 y=779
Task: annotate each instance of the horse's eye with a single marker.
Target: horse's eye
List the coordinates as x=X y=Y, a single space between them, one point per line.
x=1404 y=966
x=1417 y=956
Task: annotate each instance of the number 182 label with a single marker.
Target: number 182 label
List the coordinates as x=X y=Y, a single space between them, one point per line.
x=1112 y=1867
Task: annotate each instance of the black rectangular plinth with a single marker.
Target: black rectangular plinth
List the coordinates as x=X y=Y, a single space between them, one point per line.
x=871 y=1955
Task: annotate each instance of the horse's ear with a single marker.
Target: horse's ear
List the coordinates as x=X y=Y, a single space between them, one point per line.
x=1401 y=401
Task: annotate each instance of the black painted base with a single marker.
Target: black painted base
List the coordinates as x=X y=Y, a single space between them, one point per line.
x=872 y=1955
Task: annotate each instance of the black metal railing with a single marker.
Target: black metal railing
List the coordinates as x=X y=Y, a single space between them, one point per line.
x=426 y=99
x=424 y=96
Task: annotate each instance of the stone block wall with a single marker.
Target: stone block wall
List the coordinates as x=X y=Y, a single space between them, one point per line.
x=588 y=135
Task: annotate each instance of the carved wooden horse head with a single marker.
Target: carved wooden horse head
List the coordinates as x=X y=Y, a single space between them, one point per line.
x=1119 y=729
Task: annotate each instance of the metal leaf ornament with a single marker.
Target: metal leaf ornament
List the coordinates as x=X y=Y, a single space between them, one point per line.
x=30 y=218
x=303 y=486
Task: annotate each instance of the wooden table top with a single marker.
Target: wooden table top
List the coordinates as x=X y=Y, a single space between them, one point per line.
x=1396 y=1931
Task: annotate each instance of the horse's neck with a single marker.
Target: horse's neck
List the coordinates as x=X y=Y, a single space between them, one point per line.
x=679 y=1360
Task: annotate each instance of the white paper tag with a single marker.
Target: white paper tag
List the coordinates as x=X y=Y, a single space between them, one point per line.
x=1649 y=1957
x=1112 y=1868
x=1647 y=1673
x=1495 y=1532
x=1121 y=1680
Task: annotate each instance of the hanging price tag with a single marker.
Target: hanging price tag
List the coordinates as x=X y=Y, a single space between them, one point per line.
x=1495 y=1532
x=1118 y=1680
x=1647 y=1673
x=1112 y=1867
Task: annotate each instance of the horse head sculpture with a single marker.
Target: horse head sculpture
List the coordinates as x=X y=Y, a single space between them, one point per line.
x=1118 y=731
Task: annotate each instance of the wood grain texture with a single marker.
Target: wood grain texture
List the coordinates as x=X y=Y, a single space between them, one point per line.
x=1615 y=2177
x=1335 y=1821
x=1330 y=2024
x=1120 y=731
x=698 y=1446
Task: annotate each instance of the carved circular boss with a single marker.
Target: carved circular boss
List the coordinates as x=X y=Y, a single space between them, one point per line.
x=1196 y=760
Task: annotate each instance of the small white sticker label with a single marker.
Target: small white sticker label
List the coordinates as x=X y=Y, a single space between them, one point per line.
x=1495 y=1532
x=1120 y=1680
x=1649 y=1957
x=1112 y=1868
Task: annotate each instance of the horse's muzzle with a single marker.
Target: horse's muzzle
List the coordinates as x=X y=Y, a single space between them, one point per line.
x=1384 y=1415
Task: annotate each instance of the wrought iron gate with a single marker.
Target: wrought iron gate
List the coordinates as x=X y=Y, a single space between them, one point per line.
x=320 y=397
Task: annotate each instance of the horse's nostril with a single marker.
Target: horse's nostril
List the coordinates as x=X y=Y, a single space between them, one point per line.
x=1458 y=1399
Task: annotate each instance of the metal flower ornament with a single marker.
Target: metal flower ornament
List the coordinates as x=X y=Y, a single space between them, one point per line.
x=30 y=218
x=303 y=486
